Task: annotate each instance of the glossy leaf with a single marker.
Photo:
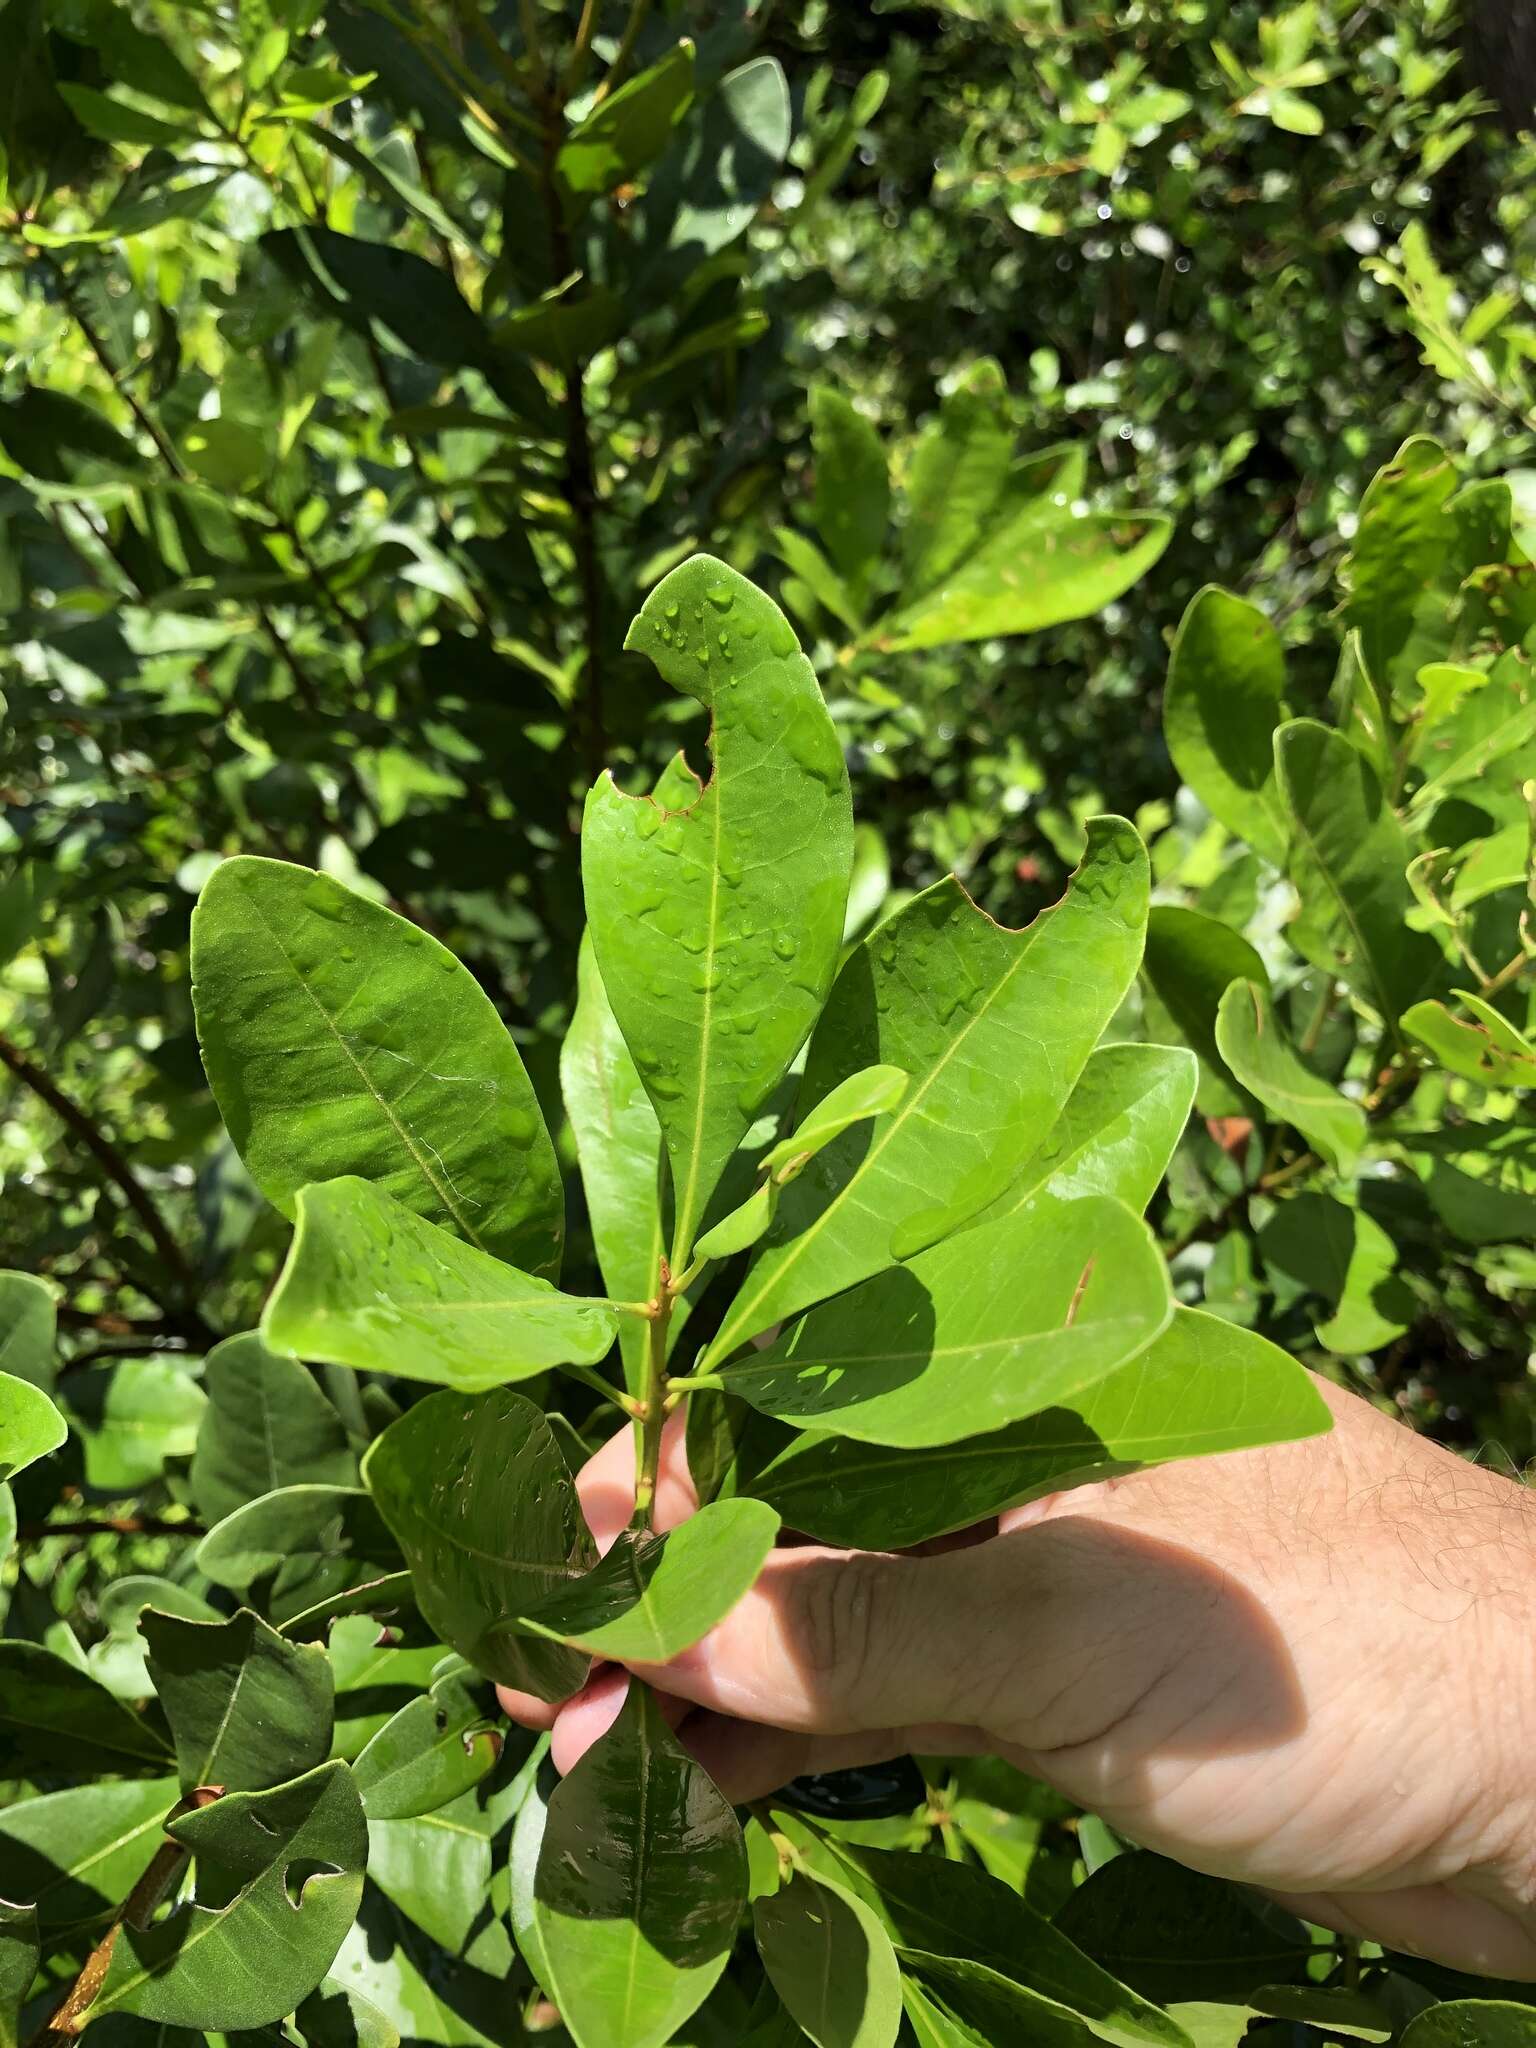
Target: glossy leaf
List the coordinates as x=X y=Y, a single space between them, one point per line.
x=717 y=924
x=55 y=1720
x=1348 y=862
x=957 y=473
x=1201 y=1388
x=77 y=1854
x=1222 y=702
x=372 y=1285
x=341 y=1039
x=618 y=1145
x=650 y=1597
x=954 y=1910
x=628 y=129
x=1169 y=1932
x=1037 y=565
x=1399 y=554
x=19 y=1950
x=1192 y=960
x=481 y=1499
x=873 y=1091
x=298 y=1548
x=1332 y=2008
x=267 y=1425
x=27 y=1336
x=133 y=1417
x=1116 y=1131
x=993 y=1027
x=1250 y=1039
x=1489 y=2022
x=743 y=1227
x=831 y=1962
x=1483 y=1046
x=280 y=1874
x=852 y=501
x=30 y=1425
x=247 y=1709
x=641 y=1879
x=436 y=1747
x=951 y=1343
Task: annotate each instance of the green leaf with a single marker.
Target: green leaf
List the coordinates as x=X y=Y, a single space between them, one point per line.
x=482 y=1502
x=435 y=1748
x=267 y=1425
x=30 y=1425
x=717 y=925
x=710 y=184
x=114 y=121
x=1481 y=1180
x=56 y=1720
x=78 y=1854
x=1038 y=565
x=437 y=1868
x=341 y=1039
x=641 y=1879
x=831 y=1962
x=953 y=1910
x=618 y=1146
x=133 y=1417
x=954 y=1343
x=336 y=2016
x=629 y=129
x=311 y=1541
x=1496 y=723
x=873 y=1091
x=280 y=1875
x=1116 y=1132
x=522 y=1866
x=375 y=1676
x=650 y=1597
x=19 y=1952
x=1488 y=1049
x=1192 y=960
x=1393 y=572
x=1170 y=1932
x=804 y=559
x=852 y=501
x=958 y=471
x=1201 y=1388
x=1226 y=679
x=1253 y=1045
x=743 y=1227
x=946 y=995
x=932 y=2026
x=1489 y=2022
x=1346 y=1257
x=27 y=1339
x=370 y=1284
x=247 y=1709
x=1333 y=2009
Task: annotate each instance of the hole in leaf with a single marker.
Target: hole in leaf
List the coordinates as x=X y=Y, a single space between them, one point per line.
x=298 y=1874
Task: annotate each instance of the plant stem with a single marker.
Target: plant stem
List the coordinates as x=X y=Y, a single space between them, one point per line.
x=166 y=1869
x=122 y=1176
x=623 y=56
x=653 y=1413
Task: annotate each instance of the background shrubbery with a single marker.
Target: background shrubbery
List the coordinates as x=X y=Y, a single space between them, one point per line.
x=361 y=373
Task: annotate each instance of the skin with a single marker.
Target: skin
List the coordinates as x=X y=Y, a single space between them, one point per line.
x=1311 y=1669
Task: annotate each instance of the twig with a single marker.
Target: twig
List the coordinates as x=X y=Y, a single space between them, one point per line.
x=118 y=1171
x=623 y=56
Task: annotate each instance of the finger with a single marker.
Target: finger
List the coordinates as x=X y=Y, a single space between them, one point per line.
x=588 y=1716
x=748 y=1762
x=605 y=1485
x=526 y=1708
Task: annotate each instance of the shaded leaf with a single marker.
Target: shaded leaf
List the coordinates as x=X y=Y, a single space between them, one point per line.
x=1200 y=1388
x=480 y=1497
x=30 y=1425
x=1116 y=1131
x=630 y=128
x=1226 y=678
x=1488 y=2022
x=435 y=1748
x=1192 y=960
x=56 y=1720
x=267 y=1425
x=956 y=475
x=132 y=1417
x=852 y=501
x=27 y=1339
x=641 y=1879
x=247 y=1709
x=1253 y=1045
x=951 y=1344
x=77 y=1854
x=831 y=1962
x=19 y=1951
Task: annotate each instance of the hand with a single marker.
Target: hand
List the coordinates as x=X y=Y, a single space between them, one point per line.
x=1310 y=1668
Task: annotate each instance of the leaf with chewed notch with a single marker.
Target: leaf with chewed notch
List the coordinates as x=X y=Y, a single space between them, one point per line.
x=993 y=1027
x=435 y=1748
x=956 y=1341
x=372 y=1285
x=341 y=1039
x=717 y=924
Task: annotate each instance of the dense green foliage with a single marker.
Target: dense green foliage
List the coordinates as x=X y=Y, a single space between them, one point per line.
x=373 y=378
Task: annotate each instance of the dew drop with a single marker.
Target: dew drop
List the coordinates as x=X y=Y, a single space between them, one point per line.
x=781 y=638
x=783 y=945
x=647 y=821
x=720 y=596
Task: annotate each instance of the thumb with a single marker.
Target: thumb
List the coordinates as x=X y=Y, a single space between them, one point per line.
x=836 y=1642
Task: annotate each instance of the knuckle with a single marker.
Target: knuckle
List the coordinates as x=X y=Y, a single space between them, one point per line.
x=845 y=1611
